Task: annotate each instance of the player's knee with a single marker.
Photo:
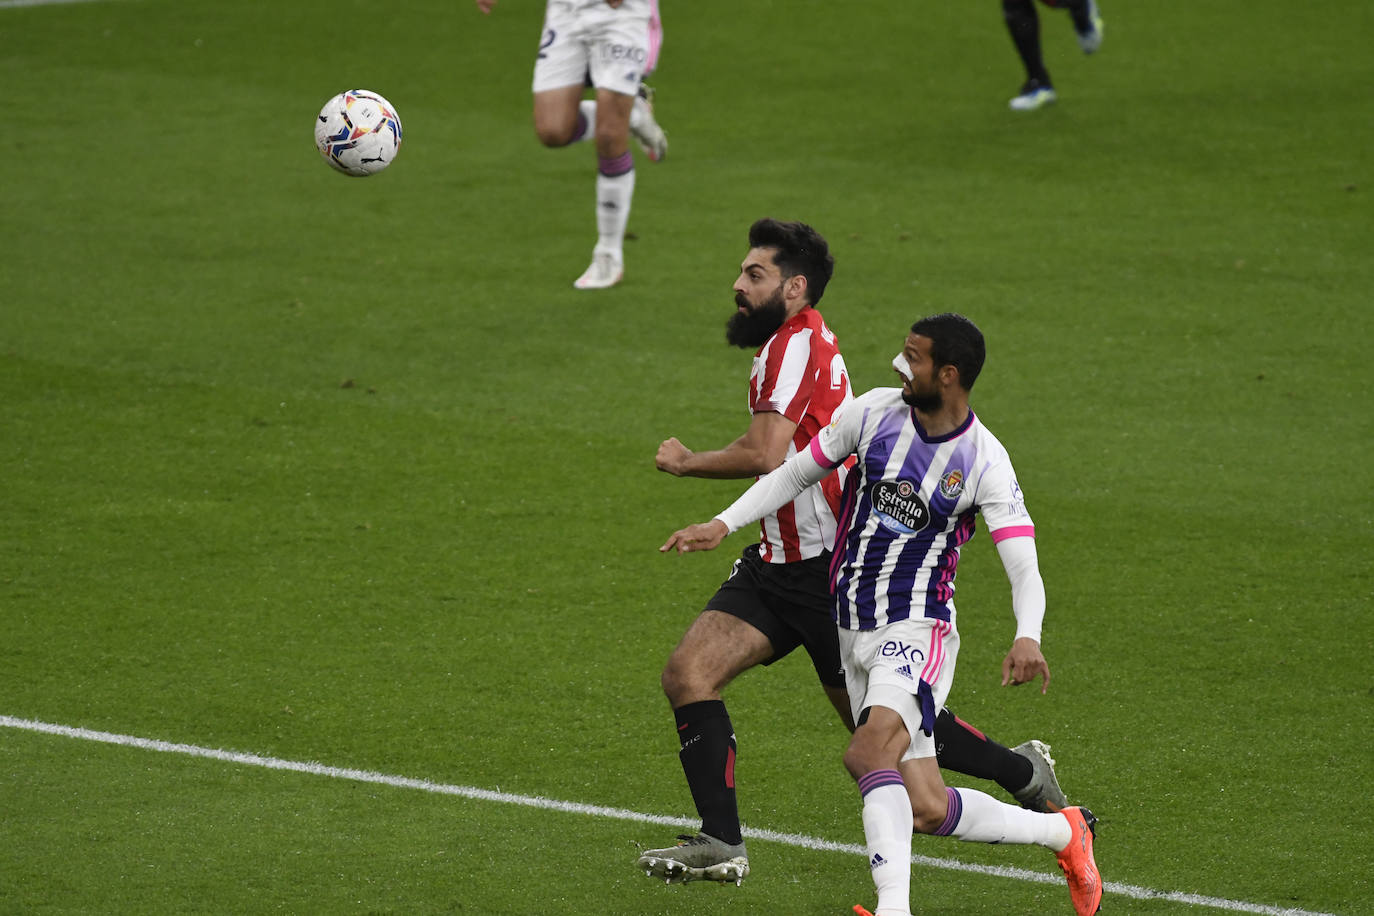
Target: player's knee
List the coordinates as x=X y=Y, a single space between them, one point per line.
x=677 y=683
x=553 y=134
x=864 y=755
x=671 y=683
x=925 y=819
x=855 y=762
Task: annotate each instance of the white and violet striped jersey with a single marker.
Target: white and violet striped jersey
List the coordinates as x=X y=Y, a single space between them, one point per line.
x=908 y=506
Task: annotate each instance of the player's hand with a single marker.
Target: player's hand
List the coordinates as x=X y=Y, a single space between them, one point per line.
x=485 y=5
x=1024 y=663
x=614 y=4
x=703 y=536
x=672 y=456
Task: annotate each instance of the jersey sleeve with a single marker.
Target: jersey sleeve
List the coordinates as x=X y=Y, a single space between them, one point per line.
x=833 y=445
x=788 y=378
x=1027 y=587
x=1002 y=504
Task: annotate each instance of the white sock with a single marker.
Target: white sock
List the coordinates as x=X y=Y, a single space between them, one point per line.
x=977 y=817
x=588 y=109
x=613 y=196
x=887 y=832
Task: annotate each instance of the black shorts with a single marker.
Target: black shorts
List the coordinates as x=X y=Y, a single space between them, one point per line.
x=790 y=604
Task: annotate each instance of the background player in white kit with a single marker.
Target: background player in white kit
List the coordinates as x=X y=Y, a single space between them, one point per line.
x=925 y=466
x=612 y=44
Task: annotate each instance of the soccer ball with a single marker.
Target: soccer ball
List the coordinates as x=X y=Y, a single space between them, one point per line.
x=358 y=133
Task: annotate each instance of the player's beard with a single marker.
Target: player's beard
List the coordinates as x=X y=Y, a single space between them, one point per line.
x=753 y=326
x=928 y=401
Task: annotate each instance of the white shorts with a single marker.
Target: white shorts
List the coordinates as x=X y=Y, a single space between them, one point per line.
x=887 y=666
x=585 y=38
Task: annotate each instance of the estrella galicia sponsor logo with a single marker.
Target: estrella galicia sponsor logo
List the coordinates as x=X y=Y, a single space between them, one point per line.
x=952 y=484
x=900 y=507
x=896 y=649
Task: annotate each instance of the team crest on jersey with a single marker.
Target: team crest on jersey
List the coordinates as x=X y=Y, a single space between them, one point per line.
x=952 y=484
x=899 y=506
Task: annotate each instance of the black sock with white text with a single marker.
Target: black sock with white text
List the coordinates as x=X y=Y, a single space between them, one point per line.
x=708 y=760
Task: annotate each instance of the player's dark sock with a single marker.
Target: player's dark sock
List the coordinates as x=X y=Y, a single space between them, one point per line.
x=1078 y=10
x=964 y=749
x=708 y=760
x=1023 y=22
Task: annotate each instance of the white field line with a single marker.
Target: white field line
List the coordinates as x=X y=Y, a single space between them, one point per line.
x=623 y=814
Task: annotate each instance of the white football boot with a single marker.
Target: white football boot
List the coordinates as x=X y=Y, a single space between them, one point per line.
x=604 y=271
x=1090 y=38
x=1034 y=95
x=645 y=129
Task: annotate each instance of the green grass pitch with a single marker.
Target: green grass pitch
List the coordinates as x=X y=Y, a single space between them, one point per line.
x=344 y=471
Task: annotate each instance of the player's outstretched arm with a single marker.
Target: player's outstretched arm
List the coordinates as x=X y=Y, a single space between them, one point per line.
x=702 y=536
x=1024 y=663
x=761 y=449
x=768 y=494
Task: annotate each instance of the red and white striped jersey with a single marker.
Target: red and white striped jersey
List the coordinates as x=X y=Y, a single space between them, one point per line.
x=800 y=374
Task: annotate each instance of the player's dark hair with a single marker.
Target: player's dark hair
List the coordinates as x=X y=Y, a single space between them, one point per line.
x=954 y=341
x=800 y=250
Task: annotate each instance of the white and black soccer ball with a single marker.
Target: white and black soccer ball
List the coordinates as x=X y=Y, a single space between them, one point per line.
x=358 y=132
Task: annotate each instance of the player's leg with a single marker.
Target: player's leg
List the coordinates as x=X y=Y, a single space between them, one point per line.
x=736 y=632
x=839 y=698
x=618 y=40
x=885 y=710
x=1023 y=24
x=716 y=648
x=1026 y=772
x=615 y=187
x=558 y=120
x=560 y=70
x=977 y=817
x=872 y=758
x=887 y=763
x=1087 y=23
